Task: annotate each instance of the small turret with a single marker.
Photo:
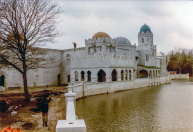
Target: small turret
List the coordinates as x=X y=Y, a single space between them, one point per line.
x=145 y=36
x=100 y=42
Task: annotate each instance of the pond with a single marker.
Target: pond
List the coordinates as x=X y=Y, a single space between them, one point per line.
x=164 y=107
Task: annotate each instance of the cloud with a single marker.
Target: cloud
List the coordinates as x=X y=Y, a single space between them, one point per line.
x=170 y=22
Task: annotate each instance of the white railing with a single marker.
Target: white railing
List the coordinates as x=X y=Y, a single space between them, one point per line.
x=179 y=76
x=71 y=124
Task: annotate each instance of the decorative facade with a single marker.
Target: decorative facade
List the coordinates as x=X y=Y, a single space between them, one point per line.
x=103 y=59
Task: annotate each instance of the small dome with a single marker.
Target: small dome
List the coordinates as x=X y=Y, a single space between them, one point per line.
x=145 y=28
x=100 y=34
x=122 y=40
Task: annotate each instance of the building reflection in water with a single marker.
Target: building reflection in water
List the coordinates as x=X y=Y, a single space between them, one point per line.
x=165 y=107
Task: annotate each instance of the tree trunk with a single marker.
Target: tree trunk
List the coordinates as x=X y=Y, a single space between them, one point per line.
x=25 y=83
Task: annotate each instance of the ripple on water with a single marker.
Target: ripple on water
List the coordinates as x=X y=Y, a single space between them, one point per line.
x=157 y=108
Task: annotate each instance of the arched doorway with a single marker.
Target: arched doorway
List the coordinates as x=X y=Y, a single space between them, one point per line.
x=143 y=73
x=59 y=80
x=2 y=80
x=89 y=76
x=68 y=78
x=114 y=75
x=76 y=75
x=82 y=76
x=122 y=75
x=101 y=76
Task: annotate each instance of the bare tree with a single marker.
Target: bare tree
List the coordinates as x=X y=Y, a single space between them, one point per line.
x=24 y=26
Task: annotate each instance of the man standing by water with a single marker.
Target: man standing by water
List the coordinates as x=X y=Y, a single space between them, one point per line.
x=44 y=109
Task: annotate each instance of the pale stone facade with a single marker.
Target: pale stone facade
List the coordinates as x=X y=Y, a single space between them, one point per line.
x=103 y=59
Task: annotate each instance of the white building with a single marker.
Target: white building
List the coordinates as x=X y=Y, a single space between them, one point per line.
x=103 y=59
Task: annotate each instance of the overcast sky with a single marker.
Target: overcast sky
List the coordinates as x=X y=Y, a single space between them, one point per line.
x=170 y=21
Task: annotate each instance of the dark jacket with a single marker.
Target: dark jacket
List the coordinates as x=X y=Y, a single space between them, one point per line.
x=44 y=105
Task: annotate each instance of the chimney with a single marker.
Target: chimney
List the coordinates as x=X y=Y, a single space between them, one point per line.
x=74 y=45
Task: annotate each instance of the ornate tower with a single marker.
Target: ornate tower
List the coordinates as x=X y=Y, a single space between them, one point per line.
x=146 y=48
x=145 y=36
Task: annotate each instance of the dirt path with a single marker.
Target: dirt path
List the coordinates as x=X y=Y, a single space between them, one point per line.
x=32 y=121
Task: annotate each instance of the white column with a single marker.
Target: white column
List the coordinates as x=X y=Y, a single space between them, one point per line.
x=86 y=77
x=71 y=124
x=108 y=76
x=118 y=77
x=132 y=74
x=123 y=76
x=126 y=76
x=79 y=77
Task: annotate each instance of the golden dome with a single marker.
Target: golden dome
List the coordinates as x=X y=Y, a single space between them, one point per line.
x=100 y=34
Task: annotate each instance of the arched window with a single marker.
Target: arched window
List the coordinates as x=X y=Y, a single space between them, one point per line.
x=68 y=58
x=122 y=75
x=126 y=75
x=101 y=76
x=129 y=74
x=94 y=48
x=82 y=76
x=2 y=80
x=89 y=76
x=147 y=57
x=114 y=75
x=68 y=78
x=76 y=75
x=142 y=40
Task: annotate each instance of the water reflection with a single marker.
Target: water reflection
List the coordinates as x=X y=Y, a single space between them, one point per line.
x=165 y=107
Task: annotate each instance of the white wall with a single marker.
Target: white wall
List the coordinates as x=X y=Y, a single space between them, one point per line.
x=37 y=77
x=86 y=89
x=179 y=76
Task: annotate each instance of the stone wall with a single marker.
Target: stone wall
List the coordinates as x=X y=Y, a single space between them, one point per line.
x=87 y=89
x=37 y=77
